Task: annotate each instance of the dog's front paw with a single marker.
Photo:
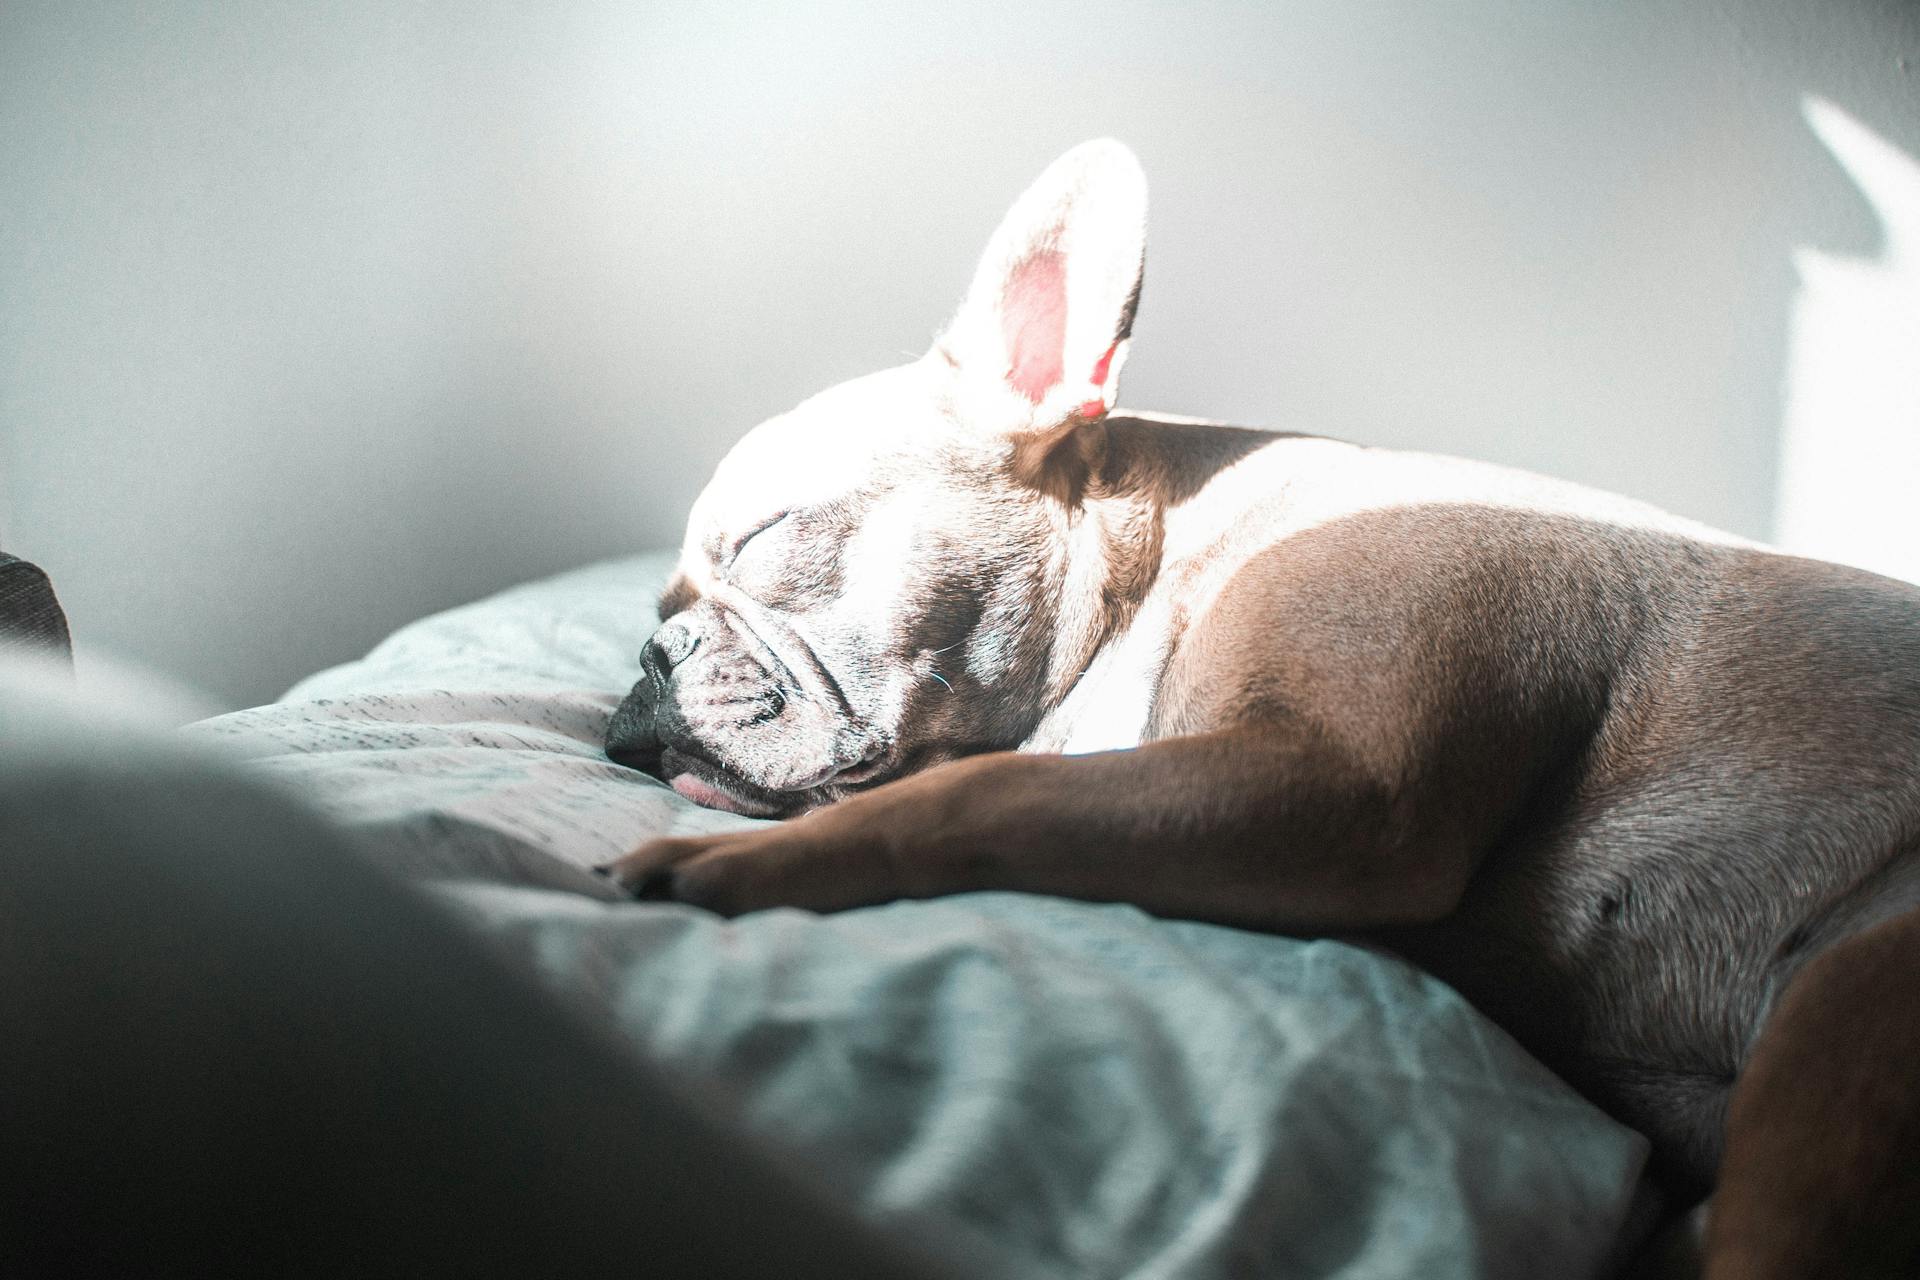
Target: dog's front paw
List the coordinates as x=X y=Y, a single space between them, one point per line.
x=665 y=871
x=741 y=871
x=648 y=873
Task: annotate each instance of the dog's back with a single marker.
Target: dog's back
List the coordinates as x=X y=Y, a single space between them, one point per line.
x=1724 y=743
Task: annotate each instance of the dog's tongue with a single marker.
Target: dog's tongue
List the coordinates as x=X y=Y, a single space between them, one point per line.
x=702 y=793
x=708 y=796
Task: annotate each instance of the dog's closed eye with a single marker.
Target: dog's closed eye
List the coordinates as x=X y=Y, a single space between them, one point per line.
x=740 y=543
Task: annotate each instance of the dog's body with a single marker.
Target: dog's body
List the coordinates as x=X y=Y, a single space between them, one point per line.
x=1618 y=777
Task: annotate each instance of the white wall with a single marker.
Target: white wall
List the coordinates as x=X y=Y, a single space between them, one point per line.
x=315 y=318
x=1849 y=466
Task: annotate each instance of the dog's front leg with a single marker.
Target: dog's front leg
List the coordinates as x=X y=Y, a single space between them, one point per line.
x=1269 y=826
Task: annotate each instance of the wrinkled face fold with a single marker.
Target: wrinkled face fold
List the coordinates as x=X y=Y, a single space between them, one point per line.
x=830 y=627
x=735 y=709
x=870 y=582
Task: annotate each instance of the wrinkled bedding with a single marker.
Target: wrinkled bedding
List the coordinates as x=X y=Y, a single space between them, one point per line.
x=1094 y=1091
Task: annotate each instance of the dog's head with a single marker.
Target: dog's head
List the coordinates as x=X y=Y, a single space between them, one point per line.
x=886 y=576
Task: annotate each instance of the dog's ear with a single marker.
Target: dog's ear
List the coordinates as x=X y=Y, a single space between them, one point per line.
x=1044 y=329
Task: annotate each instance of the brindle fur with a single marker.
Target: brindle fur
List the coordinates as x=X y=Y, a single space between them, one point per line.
x=1644 y=792
x=1639 y=759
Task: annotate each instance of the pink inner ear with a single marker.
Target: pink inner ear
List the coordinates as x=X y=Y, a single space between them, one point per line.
x=1033 y=322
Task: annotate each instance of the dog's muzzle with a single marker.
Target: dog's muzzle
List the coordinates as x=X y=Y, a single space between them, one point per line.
x=633 y=735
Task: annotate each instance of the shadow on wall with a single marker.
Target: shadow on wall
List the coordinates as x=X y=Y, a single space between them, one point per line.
x=1850 y=435
x=313 y=321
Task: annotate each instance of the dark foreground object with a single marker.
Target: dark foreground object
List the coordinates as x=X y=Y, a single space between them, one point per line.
x=230 y=1047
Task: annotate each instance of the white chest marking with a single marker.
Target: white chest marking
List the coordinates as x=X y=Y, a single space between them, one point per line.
x=1284 y=488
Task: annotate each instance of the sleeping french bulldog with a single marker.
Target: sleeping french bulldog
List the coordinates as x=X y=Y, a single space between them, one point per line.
x=1648 y=794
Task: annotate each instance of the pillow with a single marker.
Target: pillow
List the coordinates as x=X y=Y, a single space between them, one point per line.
x=1099 y=1092
x=469 y=744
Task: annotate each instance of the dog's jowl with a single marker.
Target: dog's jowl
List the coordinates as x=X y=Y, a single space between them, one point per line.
x=1647 y=793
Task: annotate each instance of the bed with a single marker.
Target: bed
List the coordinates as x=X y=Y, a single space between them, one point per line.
x=1087 y=1090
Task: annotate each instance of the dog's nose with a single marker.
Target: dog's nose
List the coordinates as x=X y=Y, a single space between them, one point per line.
x=667 y=649
x=633 y=735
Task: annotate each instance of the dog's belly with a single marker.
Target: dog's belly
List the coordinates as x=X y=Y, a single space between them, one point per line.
x=1754 y=797
x=1722 y=743
x=1634 y=977
x=1644 y=979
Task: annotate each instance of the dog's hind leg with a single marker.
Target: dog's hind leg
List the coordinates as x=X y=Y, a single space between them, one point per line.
x=1821 y=1176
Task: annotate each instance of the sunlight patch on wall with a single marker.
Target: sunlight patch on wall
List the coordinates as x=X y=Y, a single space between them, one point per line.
x=1849 y=484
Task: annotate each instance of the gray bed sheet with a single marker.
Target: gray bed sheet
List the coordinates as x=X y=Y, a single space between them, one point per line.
x=1095 y=1091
